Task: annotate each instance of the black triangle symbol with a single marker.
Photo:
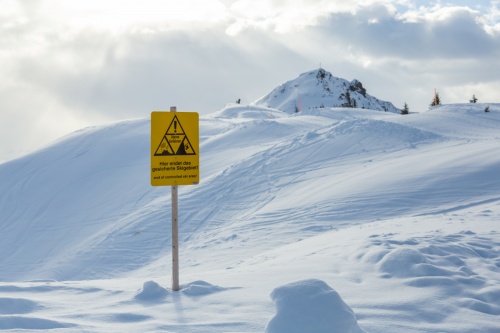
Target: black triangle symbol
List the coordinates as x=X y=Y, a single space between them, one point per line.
x=175 y=130
x=185 y=148
x=175 y=127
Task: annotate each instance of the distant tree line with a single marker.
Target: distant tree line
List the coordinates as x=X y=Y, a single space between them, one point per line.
x=474 y=100
x=437 y=101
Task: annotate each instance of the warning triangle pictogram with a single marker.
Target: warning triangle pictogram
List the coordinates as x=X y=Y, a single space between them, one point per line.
x=175 y=141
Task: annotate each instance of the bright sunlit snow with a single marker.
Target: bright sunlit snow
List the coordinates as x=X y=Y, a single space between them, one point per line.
x=325 y=220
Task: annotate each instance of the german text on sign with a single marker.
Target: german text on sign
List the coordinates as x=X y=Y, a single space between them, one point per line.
x=174 y=148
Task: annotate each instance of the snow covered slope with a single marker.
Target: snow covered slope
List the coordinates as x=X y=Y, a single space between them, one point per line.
x=395 y=215
x=319 y=89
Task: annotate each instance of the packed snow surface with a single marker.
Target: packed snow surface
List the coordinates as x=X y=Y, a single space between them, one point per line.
x=328 y=220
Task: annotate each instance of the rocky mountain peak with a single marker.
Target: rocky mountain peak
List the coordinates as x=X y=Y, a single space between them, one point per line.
x=320 y=89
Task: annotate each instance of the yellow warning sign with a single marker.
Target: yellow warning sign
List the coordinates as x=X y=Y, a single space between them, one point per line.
x=174 y=148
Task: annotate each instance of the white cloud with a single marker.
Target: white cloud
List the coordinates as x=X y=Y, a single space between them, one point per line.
x=283 y=16
x=451 y=32
x=121 y=15
x=288 y=16
x=11 y=14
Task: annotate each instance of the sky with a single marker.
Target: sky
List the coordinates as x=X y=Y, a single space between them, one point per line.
x=65 y=65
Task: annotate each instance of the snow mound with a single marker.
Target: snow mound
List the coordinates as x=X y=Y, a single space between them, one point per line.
x=402 y=262
x=151 y=291
x=319 y=89
x=311 y=306
x=200 y=288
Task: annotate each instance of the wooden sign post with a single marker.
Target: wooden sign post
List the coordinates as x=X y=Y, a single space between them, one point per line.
x=175 y=232
x=175 y=161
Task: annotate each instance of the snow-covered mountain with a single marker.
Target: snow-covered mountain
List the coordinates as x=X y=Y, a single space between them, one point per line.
x=331 y=220
x=319 y=89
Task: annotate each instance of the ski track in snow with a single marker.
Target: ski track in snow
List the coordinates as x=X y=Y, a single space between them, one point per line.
x=398 y=214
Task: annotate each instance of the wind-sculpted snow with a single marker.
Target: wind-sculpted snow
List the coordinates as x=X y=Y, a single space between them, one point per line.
x=10 y=306
x=28 y=323
x=234 y=111
x=396 y=212
x=151 y=291
x=461 y=266
x=311 y=306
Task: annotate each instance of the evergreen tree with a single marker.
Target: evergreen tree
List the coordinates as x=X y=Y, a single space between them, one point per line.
x=405 y=110
x=348 y=102
x=436 y=100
